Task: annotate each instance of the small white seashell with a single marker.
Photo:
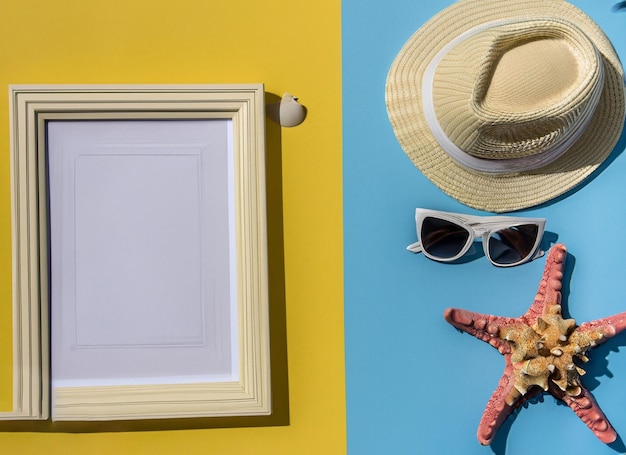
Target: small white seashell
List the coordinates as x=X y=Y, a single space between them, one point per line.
x=289 y=112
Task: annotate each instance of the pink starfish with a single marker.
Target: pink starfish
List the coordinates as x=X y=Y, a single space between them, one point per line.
x=539 y=349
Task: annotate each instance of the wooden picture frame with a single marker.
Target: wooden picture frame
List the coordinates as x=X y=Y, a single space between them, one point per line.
x=245 y=391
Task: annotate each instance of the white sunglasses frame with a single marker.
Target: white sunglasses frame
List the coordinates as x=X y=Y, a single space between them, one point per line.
x=478 y=227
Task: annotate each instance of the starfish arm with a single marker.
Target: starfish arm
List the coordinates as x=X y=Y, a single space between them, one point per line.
x=606 y=327
x=482 y=326
x=498 y=409
x=550 y=286
x=586 y=407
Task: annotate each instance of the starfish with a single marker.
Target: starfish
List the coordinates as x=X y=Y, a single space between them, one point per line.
x=540 y=349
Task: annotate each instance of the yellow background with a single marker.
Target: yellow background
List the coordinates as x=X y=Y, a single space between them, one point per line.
x=288 y=45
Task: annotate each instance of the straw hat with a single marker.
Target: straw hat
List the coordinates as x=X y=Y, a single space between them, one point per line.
x=507 y=104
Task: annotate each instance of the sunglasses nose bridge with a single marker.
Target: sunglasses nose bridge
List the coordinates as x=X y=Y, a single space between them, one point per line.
x=479 y=231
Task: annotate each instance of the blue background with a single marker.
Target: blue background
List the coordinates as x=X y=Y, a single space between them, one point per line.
x=415 y=385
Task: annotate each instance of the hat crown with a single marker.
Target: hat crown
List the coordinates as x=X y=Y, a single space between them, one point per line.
x=516 y=91
x=532 y=75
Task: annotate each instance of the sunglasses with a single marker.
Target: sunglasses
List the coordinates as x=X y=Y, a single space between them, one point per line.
x=507 y=240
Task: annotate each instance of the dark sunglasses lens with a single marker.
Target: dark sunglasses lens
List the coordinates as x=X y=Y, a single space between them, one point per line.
x=441 y=238
x=513 y=244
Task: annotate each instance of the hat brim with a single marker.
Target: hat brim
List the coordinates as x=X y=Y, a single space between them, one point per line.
x=500 y=192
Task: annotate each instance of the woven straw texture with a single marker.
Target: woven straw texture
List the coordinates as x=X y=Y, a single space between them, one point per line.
x=465 y=120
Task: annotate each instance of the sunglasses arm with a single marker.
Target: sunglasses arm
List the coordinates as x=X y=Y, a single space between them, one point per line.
x=415 y=247
x=538 y=254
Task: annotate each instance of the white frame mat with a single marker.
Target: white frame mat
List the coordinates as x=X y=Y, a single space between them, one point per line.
x=55 y=225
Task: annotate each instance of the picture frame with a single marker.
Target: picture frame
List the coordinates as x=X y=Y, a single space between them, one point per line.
x=37 y=394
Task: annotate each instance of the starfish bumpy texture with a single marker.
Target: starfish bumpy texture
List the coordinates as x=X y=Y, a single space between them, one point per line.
x=540 y=351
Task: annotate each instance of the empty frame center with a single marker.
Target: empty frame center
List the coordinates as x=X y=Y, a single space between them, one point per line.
x=141 y=251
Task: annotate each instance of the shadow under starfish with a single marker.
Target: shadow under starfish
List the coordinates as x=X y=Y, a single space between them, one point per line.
x=539 y=350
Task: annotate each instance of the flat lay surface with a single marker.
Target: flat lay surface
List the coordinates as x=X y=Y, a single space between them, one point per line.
x=194 y=42
x=414 y=383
